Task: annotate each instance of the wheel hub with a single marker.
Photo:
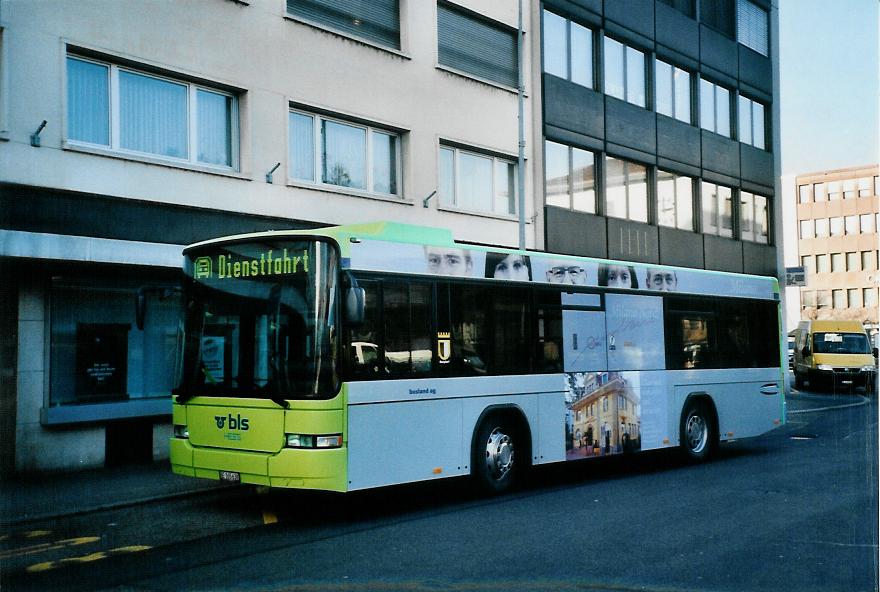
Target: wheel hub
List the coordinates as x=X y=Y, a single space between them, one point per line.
x=697 y=432
x=499 y=454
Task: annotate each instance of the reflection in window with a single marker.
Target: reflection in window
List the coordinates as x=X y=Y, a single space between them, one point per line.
x=751 y=122
x=717 y=207
x=675 y=201
x=673 y=91
x=714 y=108
x=568 y=49
x=477 y=182
x=626 y=190
x=570 y=178
x=754 y=218
x=624 y=72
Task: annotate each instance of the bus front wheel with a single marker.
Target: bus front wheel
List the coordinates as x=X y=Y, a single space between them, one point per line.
x=699 y=431
x=496 y=465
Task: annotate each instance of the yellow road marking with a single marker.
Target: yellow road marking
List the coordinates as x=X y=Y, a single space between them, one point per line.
x=47 y=565
x=43 y=547
x=32 y=534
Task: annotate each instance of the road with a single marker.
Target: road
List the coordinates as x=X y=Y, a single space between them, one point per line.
x=795 y=510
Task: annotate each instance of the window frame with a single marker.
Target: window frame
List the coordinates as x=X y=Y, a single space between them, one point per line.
x=677 y=200
x=571 y=178
x=569 y=70
x=625 y=72
x=113 y=115
x=673 y=70
x=626 y=189
x=318 y=155
x=495 y=159
x=753 y=236
x=753 y=124
x=718 y=210
x=716 y=102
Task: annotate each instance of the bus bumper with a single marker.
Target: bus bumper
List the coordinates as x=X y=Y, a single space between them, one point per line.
x=293 y=468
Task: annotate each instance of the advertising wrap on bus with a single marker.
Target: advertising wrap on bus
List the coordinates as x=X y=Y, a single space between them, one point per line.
x=460 y=261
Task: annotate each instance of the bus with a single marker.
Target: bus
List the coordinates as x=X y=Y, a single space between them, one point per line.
x=370 y=355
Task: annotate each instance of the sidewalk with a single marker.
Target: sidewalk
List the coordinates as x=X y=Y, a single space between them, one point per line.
x=25 y=498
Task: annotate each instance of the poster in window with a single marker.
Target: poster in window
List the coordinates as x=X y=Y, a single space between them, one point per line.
x=101 y=361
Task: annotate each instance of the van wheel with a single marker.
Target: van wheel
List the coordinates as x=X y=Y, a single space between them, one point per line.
x=698 y=431
x=495 y=464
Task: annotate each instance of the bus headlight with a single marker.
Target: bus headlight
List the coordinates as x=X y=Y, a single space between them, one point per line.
x=870 y=368
x=825 y=368
x=181 y=431
x=310 y=441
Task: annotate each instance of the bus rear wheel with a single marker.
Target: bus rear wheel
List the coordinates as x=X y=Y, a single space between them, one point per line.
x=496 y=466
x=699 y=431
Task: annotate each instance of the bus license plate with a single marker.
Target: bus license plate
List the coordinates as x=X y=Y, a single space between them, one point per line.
x=230 y=477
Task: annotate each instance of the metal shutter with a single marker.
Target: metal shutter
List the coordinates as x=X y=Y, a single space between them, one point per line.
x=476 y=47
x=374 y=20
x=752 y=24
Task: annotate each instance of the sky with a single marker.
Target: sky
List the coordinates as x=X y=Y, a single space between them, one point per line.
x=828 y=51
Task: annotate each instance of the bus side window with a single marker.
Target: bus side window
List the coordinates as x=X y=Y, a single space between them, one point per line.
x=363 y=352
x=510 y=331
x=469 y=329
x=407 y=320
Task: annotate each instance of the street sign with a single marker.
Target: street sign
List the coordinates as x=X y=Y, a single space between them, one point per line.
x=795 y=276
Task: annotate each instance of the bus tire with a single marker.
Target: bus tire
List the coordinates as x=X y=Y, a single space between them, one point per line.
x=698 y=430
x=497 y=454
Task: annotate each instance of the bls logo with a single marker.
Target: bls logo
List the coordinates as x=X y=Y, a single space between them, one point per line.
x=202 y=268
x=235 y=423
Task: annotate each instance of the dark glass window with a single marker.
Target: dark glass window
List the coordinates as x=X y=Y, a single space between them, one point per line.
x=706 y=333
x=683 y=6
x=718 y=14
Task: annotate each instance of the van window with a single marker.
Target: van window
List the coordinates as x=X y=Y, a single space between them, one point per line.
x=840 y=343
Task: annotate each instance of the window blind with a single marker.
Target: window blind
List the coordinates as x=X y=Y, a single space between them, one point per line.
x=374 y=20
x=476 y=47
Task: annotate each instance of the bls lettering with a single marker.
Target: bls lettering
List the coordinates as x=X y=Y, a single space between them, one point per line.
x=235 y=423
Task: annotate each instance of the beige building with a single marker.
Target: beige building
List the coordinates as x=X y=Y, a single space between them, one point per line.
x=838 y=214
x=128 y=131
x=607 y=417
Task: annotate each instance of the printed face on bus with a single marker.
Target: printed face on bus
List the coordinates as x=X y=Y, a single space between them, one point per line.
x=447 y=261
x=617 y=276
x=661 y=279
x=564 y=273
x=512 y=267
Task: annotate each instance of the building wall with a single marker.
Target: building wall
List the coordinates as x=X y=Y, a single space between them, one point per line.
x=814 y=203
x=589 y=119
x=89 y=215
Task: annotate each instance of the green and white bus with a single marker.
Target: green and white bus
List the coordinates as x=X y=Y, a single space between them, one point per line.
x=369 y=355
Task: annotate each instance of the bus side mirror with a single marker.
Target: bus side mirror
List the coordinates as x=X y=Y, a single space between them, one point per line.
x=355 y=297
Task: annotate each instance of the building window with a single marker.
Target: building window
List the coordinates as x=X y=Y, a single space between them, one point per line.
x=876 y=185
x=808 y=299
x=819 y=191
x=717 y=206
x=343 y=154
x=377 y=21
x=138 y=113
x=836 y=226
x=869 y=297
x=752 y=26
x=751 y=122
x=624 y=72
x=675 y=201
x=804 y=195
x=476 y=46
x=822 y=227
x=477 y=182
x=823 y=299
x=626 y=190
x=865 y=224
x=807 y=230
x=97 y=353
x=714 y=108
x=868 y=261
x=851 y=224
x=807 y=264
x=684 y=6
x=822 y=263
x=673 y=91
x=568 y=49
x=837 y=262
x=865 y=187
x=849 y=189
x=833 y=190
x=852 y=298
x=838 y=298
x=569 y=177
x=718 y=14
x=754 y=223
x=852 y=261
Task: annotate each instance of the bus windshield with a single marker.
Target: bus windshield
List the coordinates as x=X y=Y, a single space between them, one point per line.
x=260 y=321
x=841 y=343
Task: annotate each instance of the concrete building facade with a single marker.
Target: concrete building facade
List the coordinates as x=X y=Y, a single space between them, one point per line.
x=128 y=131
x=838 y=213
